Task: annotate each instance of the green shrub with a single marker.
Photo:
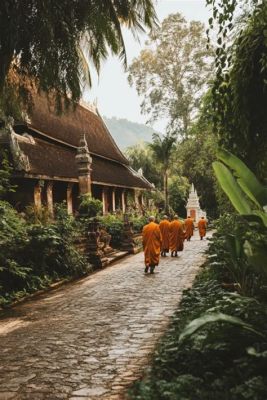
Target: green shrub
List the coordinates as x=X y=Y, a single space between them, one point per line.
x=113 y=225
x=34 y=255
x=89 y=206
x=220 y=360
x=228 y=258
x=5 y=174
x=138 y=223
x=13 y=239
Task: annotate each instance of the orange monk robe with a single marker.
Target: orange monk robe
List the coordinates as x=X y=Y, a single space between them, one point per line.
x=164 y=227
x=176 y=236
x=189 y=227
x=202 y=227
x=152 y=240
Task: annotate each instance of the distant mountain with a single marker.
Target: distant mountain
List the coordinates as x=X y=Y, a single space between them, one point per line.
x=127 y=133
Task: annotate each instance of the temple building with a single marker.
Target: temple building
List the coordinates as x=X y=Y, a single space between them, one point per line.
x=58 y=157
x=193 y=207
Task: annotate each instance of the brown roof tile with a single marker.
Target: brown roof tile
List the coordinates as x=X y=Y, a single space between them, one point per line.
x=69 y=126
x=55 y=160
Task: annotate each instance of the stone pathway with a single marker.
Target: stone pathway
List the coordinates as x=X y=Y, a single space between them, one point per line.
x=92 y=338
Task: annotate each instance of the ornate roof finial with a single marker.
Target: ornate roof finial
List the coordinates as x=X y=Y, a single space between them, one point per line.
x=140 y=172
x=83 y=158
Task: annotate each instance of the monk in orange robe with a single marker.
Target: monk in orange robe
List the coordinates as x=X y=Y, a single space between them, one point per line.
x=176 y=236
x=202 y=227
x=189 y=228
x=164 y=227
x=152 y=240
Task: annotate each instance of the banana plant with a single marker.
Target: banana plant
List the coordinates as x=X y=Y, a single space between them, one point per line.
x=248 y=196
x=241 y=186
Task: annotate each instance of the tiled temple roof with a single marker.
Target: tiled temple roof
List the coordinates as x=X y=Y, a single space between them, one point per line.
x=53 y=161
x=69 y=127
x=52 y=151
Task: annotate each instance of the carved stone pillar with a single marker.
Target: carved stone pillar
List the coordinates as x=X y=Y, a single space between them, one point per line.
x=37 y=196
x=113 y=199
x=69 y=198
x=84 y=162
x=128 y=243
x=49 y=197
x=123 y=203
x=95 y=252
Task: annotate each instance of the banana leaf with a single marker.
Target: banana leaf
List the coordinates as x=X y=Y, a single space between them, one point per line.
x=208 y=318
x=234 y=246
x=256 y=256
x=246 y=178
x=231 y=188
x=262 y=215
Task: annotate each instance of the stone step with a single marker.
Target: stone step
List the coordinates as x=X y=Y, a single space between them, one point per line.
x=117 y=255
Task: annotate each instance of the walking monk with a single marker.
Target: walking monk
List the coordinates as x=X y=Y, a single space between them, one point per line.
x=189 y=228
x=202 y=227
x=164 y=227
x=176 y=236
x=152 y=240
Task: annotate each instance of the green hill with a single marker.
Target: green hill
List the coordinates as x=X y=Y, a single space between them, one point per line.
x=127 y=133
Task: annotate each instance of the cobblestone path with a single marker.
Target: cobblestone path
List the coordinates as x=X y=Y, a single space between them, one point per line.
x=92 y=338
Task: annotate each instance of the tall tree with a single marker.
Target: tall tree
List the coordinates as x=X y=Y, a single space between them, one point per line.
x=193 y=157
x=141 y=156
x=41 y=39
x=162 y=148
x=172 y=72
x=240 y=88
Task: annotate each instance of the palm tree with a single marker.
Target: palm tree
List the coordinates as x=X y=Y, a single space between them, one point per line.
x=162 y=148
x=42 y=41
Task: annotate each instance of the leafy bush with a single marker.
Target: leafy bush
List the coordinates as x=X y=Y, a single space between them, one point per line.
x=89 y=206
x=33 y=255
x=138 y=223
x=218 y=361
x=114 y=225
x=228 y=258
x=5 y=174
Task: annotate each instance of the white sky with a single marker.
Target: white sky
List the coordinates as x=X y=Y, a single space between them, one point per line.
x=111 y=90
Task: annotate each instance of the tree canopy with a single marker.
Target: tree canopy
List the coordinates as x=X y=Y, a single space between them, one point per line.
x=172 y=72
x=240 y=88
x=42 y=39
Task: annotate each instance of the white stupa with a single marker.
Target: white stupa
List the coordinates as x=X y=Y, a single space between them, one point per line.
x=193 y=207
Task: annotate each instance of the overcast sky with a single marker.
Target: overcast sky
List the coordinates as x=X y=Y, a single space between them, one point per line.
x=111 y=90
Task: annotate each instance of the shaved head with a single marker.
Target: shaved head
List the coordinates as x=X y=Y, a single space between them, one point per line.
x=151 y=218
x=165 y=217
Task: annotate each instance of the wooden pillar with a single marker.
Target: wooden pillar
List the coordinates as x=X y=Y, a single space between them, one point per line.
x=69 y=198
x=123 y=204
x=136 y=200
x=113 y=199
x=142 y=199
x=49 y=197
x=104 y=200
x=37 y=196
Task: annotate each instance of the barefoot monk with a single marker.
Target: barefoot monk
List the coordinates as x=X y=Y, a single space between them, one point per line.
x=152 y=240
x=202 y=227
x=176 y=236
x=164 y=227
x=189 y=228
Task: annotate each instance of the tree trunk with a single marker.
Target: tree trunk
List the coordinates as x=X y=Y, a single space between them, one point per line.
x=6 y=60
x=166 y=195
